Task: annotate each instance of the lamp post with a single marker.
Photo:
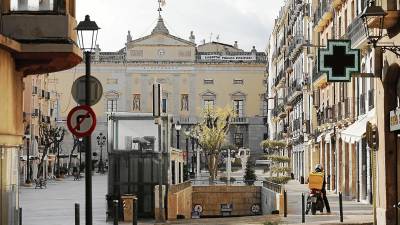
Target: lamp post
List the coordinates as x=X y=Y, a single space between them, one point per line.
x=192 y=156
x=101 y=141
x=28 y=179
x=187 y=133
x=374 y=23
x=87 y=36
x=177 y=128
x=58 y=156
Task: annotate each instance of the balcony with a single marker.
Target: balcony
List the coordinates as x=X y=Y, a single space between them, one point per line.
x=240 y=120
x=356 y=33
x=280 y=79
x=325 y=115
x=322 y=15
x=318 y=77
x=295 y=90
x=279 y=110
x=42 y=39
x=296 y=125
x=371 y=99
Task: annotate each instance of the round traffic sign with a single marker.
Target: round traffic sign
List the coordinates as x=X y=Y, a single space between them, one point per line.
x=255 y=208
x=81 y=121
x=198 y=208
x=78 y=90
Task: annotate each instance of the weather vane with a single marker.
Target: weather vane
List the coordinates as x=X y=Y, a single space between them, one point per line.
x=161 y=3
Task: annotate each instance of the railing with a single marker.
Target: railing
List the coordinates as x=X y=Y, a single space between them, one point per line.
x=362 y=104
x=371 y=99
x=296 y=125
x=356 y=32
x=272 y=186
x=323 y=7
x=240 y=120
x=280 y=76
x=339 y=110
x=316 y=74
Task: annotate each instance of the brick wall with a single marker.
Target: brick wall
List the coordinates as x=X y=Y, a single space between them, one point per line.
x=211 y=198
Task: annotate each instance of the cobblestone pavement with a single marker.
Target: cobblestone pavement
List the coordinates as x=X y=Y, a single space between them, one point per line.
x=354 y=212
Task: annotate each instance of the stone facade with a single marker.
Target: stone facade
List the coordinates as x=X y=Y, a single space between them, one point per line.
x=192 y=77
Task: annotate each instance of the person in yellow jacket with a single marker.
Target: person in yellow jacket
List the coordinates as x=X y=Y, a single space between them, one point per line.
x=319 y=169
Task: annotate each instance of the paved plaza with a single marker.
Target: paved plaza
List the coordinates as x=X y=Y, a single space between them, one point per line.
x=55 y=206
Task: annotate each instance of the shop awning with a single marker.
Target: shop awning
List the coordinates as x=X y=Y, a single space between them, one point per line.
x=354 y=132
x=328 y=136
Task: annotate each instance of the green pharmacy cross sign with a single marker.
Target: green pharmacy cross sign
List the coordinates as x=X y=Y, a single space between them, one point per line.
x=339 y=60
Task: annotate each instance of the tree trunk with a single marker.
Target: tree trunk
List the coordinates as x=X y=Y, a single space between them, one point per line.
x=212 y=167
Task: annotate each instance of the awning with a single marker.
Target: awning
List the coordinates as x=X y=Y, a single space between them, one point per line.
x=328 y=136
x=354 y=132
x=319 y=138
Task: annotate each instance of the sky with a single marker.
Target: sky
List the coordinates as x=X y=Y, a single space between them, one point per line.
x=247 y=21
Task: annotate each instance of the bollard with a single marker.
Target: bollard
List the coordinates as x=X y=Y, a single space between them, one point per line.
x=341 y=207
x=20 y=216
x=77 y=214
x=303 y=214
x=134 y=209
x=115 y=212
x=284 y=203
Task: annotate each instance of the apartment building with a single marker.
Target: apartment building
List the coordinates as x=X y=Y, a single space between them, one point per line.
x=343 y=109
x=40 y=108
x=289 y=81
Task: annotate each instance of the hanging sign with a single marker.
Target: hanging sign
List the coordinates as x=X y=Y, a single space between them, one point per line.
x=339 y=60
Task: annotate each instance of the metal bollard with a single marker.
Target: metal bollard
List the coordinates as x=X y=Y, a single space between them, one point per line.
x=134 y=208
x=115 y=212
x=341 y=207
x=303 y=214
x=20 y=216
x=77 y=214
x=284 y=203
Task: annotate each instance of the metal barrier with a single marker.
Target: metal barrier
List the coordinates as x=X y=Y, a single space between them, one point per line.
x=272 y=186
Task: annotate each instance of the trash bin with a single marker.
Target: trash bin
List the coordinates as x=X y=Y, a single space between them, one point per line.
x=127 y=203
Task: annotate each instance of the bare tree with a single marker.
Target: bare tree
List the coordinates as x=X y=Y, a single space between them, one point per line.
x=76 y=143
x=49 y=139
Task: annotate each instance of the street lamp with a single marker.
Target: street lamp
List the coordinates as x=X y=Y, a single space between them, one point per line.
x=187 y=135
x=373 y=18
x=101 y=141
x=58 y=137
x=177 y=128
x=87 y=31
x=28 y=179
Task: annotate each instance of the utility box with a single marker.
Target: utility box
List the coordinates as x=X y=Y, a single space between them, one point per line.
x=127 y=204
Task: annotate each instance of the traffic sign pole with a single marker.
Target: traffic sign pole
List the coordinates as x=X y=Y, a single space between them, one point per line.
x=88 y=149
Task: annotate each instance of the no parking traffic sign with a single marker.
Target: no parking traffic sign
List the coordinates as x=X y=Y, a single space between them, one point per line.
x=81 y=121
